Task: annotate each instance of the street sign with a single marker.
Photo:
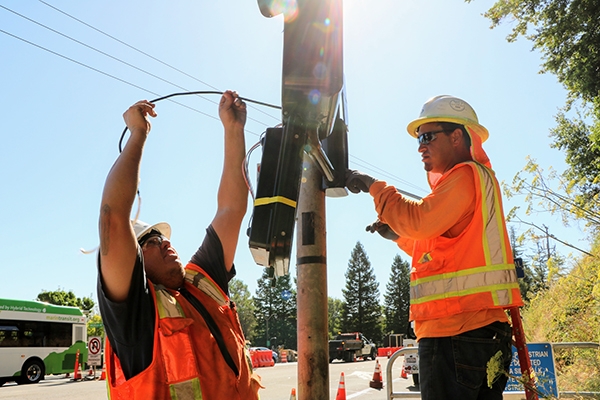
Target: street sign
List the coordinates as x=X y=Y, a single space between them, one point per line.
x=542 y=363
x=94 y=351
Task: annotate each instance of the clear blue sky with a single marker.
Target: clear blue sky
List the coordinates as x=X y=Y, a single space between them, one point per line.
x=61 y=121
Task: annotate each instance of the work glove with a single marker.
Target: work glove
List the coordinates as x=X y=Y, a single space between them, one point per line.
x=357 y=182
x=383 y=229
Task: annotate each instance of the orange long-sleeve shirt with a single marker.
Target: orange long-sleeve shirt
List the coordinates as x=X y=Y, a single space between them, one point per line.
x=446 y=211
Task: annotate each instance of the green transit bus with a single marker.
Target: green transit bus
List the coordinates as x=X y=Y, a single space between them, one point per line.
x=38 y=339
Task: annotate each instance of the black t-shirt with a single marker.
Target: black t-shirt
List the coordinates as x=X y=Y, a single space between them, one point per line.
x=129 y=324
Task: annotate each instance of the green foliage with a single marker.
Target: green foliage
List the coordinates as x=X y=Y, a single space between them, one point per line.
x=275 y=316
x=581 y=143
x=60 y=297
x=547 y=193
x=241 y=296
x=361 y=311
x=95 y=326
x=567 y=33
x=569 y=311
x=335 y=307
x=397 y=297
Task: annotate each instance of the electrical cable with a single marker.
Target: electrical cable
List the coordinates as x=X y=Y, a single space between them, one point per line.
x=190 y=93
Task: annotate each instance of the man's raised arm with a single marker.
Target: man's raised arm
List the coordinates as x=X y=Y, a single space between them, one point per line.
x=118 y=247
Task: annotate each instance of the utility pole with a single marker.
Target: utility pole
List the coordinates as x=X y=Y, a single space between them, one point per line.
x=311 y=263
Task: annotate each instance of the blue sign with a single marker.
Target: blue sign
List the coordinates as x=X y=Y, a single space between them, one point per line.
x=542 y=362
x=286 y=294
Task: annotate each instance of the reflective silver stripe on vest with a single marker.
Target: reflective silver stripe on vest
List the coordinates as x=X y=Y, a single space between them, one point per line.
x=166 y=304
x=188 y=390
x=497 y=279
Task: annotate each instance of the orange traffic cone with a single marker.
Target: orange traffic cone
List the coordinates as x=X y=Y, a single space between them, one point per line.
x=341 y=393
x=103 y=374
x=403 y=373
x=377 y=382
x=293 y=394
x=91 y=372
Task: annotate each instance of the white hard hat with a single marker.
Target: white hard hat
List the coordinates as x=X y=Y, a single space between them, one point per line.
x=448 y=109
x=141 y=228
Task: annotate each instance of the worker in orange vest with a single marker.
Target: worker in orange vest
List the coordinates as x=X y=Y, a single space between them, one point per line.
x=172 y=330
x=463 y=275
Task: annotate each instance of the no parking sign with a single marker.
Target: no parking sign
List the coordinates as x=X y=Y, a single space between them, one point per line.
x=94 y=350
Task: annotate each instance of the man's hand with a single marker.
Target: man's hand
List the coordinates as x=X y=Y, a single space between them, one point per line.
x=232 y=111
x=136 y=117
x=383 y=229
x=356 y=181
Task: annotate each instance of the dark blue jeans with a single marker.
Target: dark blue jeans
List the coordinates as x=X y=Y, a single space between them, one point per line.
x=454 y=368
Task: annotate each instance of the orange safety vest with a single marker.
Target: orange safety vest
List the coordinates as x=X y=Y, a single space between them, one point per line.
x=473 y=271
x=186 y=360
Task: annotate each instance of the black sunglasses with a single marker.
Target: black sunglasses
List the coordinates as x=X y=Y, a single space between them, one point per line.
x=428 y=137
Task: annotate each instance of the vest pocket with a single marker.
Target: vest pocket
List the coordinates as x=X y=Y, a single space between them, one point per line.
x=176 y=349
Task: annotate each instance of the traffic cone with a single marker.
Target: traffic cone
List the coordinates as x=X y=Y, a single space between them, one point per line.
x=77 y=373
x=103 y=374
x=403 y=373
x=377 y=382
x=91 y=372
x=341 y=393
x=293 y=394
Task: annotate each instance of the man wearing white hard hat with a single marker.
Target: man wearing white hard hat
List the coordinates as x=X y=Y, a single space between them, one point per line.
x=172 y=330
x=463 y=275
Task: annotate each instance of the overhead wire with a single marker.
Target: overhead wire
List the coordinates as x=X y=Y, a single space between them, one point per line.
x=110 y=56
x=366 y=165
x=141 y=52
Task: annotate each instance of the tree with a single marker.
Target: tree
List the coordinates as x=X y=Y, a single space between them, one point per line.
x=61 y=298
x=276 y=312
x=567 y=33
x=397 y=297
x=361 y=311
x=335 y=307
x=241 y=296
x=541 y=196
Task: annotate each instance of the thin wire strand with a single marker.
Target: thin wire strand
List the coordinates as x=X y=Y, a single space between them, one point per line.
x=143 y=53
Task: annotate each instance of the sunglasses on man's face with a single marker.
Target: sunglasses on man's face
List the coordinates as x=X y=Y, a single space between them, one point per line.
x=153 y=241
x=428 y=137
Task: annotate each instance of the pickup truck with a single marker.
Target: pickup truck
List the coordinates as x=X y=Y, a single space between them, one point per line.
x=348 y=346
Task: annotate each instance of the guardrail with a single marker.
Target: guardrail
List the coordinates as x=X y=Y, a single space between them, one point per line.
x=555 y=346
x=580 y=345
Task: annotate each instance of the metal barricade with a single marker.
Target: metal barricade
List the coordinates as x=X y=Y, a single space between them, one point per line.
x=555 y=346
x=579 y=345
x=388 y=375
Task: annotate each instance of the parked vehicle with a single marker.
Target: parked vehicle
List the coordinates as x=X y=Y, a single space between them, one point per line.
x=348 y=346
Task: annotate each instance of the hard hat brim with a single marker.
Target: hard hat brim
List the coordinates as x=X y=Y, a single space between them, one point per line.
x=478 y=129
x=163 y=227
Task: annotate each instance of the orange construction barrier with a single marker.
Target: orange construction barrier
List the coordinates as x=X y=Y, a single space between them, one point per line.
x=377 y=382
x=293 y=394
x=341 y=393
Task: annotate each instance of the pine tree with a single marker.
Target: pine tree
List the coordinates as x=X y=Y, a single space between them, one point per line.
x=361 y=311
x=275 y=313
x=241 y=296
x=397 y=297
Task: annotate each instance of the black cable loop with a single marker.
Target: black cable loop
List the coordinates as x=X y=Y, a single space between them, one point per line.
x=197 y=92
